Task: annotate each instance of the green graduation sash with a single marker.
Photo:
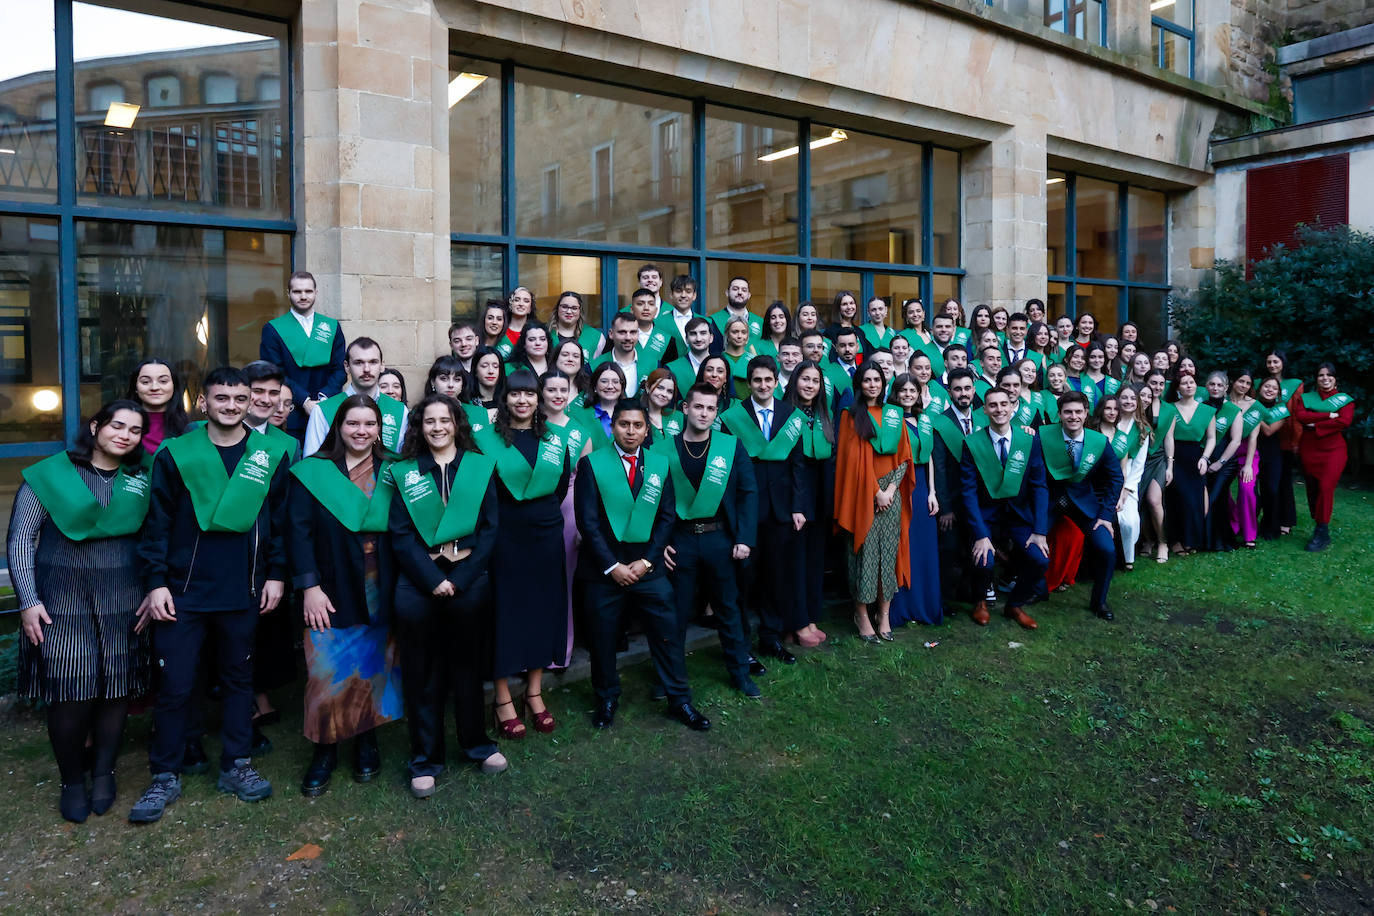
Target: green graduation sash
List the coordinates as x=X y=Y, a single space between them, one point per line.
x=961 y=336
x=311 y=351
x=1278 y=412
x=921 y=435
x=436 y=522
x=1049 y=405
x=949 y=432
x=650 y=353
x=721 y=316
x=574 y=435
x=683 y=374
x=1058 y=462
x=631 y=516
x=588 y=339
x=1314 y=401
x=280 y=439
x=586 y=418
x=526 y=481
x=479 y=421
x=342 y=497
x=888 y=435
x=1026 y=409
x=765 y=347
x=1111 y=385
x=875 y=340
x=839 y=379
x=393 y=415
x=1125 y=443
x=939 y=397
x=672 y=427
x=743 y=427
x=504 y=347
x=814 y=443
x=1251 y=418
x=936 y=354
x=1195 y=429
x=914 y=338
x=668 y=325
x=1225 y=415
x=1001 y=482
x=223 y=502
x=75 y=510
x=1168 y=416
x=1288 y=388
x=705 y=502
x=981 y=387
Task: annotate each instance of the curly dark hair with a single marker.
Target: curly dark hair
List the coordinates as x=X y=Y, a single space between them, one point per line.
x=415 y=434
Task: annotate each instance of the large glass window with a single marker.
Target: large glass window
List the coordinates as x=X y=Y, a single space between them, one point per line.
x=827 y=284
x=1171 y=29
x=30 y=383
x=1113 y=274
x=197 y=298
x=28 y=131
x=474 y=146
x=751 y=182
x=206 y=150
x=476 y=277
x=865 y=197
x=1333 y=93
x=601 y=163
x=605 y=178
x=1084 y=19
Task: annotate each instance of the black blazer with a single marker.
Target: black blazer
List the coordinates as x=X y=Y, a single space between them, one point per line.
x=211 y=570
x=325 y=553
x=411 y=553
x=740 y=504
x=600 y=548
x=304 y=383
x=784 y=486
x=1094 y=496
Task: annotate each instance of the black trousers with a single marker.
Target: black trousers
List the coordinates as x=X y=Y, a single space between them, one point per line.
x=811 y=559
x=177 y=653
x=1028 y=565
x=706 y=559
x=774 y=581
x=1268 y=491
x=442 y=644
x=605 y=603
x=1219 y=533
x=1288 y=503
x=956 y=566
x=1100 y=548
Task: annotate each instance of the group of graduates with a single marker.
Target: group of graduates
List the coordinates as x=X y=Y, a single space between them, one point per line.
x=687 y=468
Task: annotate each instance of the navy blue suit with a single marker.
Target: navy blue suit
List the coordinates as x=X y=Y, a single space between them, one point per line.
x=1085 y=503
x=305 y=383
x=1018 y=517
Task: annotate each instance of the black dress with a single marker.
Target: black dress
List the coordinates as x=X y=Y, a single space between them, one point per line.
x=529 y=576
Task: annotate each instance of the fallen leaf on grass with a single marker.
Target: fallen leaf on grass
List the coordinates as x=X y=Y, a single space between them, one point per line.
x=1014 y=645
x=308 y=851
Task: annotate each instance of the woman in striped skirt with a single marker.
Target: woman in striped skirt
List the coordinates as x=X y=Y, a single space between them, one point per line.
x=72 y=541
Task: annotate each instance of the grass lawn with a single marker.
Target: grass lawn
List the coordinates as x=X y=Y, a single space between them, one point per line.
x=1212 y=751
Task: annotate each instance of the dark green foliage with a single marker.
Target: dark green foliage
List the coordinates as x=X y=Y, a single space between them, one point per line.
x=1314 y=301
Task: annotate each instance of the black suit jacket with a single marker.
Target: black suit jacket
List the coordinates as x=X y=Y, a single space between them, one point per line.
x=600 y=547
x=740 y=504
x=1095 y=495
x=784 y=486
x=304 y=383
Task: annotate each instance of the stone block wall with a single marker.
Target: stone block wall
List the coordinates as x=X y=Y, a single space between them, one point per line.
x=1315 y=18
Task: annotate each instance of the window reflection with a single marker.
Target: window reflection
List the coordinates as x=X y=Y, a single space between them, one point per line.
x=751 y=182
x=195 y=297
x=1056 y=228
x=601 y=163
x=547 y=275
x=865 y=197
x=474 y=141
x=1149 y=313
x=627 y=278
x=163 y=116
x=1102 y=302
x=944 y=207
x=30 y=384
x=766 y=283
x=28 y=131
x=827 y=284
x=1146 y=235
x=476 y=277
x=1096 y=210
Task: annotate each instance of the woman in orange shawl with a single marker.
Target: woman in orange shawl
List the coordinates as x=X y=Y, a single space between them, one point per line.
x=874 y=477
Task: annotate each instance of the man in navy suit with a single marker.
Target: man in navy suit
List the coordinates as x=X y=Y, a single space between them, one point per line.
x=624 y=503
x=1085 y=483
x=770 y=430
x=309 y=349
x=1002 y=478
x=717 y=521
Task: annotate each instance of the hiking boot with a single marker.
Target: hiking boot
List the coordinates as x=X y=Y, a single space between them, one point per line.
x=244 y=782
x=161 y=792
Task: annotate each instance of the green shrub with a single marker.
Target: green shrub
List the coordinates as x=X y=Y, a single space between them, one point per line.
x=1314 y=301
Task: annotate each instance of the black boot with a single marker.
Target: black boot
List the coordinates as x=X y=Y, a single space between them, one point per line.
x=75 y=803
x=322 y=764
x=367 y=760
x=1321 y=539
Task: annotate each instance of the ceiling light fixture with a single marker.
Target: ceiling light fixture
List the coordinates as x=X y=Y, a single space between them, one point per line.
x=835 y=136
x=461 y=85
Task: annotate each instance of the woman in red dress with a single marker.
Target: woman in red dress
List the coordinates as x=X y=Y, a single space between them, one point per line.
x=1324 y=414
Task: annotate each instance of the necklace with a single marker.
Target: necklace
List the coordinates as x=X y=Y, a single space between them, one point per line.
x=687 y=446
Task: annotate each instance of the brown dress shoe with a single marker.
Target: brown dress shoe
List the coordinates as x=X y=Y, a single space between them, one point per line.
x=979 y=613
x=1014 y=612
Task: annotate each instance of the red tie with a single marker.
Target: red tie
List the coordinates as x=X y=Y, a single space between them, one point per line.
x=630 y=474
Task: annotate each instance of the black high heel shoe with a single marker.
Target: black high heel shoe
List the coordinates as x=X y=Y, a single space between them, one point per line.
x=75 y=803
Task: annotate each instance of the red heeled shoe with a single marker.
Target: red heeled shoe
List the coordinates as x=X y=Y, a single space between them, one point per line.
x=511 y=728
x=544 y=722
